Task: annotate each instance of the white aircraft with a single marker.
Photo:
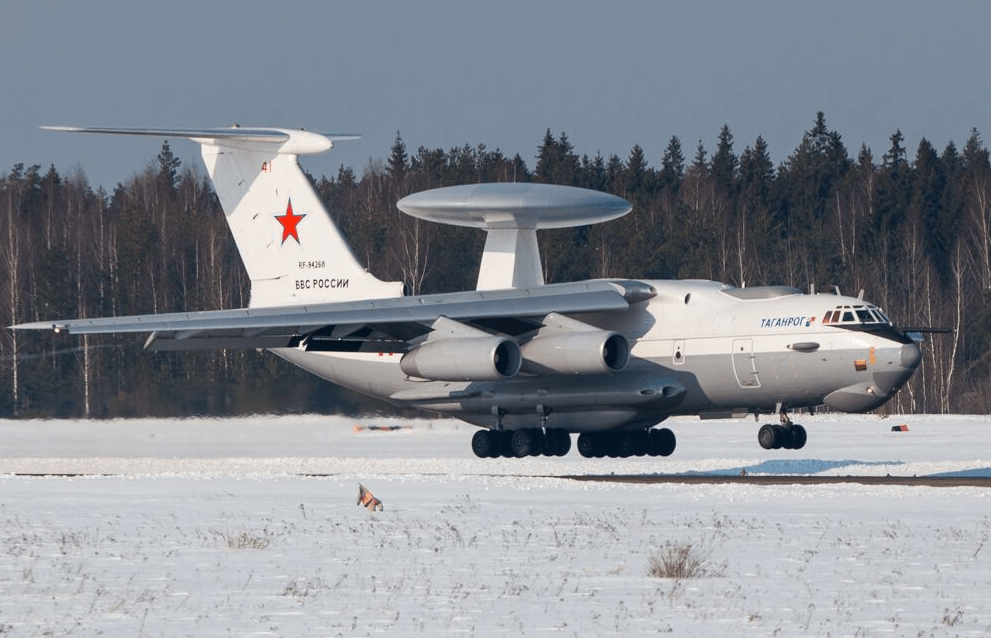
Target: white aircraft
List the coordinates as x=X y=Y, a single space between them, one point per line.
x=528 y=362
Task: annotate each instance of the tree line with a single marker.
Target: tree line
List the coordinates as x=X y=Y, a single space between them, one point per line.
x=913 y=231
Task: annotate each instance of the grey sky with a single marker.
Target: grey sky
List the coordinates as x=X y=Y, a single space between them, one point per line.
x=445 y=73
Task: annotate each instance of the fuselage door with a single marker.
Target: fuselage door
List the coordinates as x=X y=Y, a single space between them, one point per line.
x=745 y=363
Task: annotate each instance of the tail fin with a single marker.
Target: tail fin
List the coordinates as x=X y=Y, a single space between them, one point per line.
x=292 y=250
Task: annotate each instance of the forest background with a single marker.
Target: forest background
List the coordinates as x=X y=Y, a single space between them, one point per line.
x=912 y=231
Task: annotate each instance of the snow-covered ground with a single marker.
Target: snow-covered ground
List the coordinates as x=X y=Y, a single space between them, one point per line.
x=249 y=527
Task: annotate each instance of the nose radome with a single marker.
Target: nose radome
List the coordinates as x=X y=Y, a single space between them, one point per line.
x=911 y=356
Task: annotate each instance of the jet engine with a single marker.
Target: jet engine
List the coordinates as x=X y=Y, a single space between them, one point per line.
x=595 y=352
x=456 y=352
x=568 y=346
x=469 y=359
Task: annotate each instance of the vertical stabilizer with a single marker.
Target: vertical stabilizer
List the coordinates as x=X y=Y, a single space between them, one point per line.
x=292 y=250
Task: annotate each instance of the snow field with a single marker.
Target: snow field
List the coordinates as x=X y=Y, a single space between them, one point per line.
x=196 y=545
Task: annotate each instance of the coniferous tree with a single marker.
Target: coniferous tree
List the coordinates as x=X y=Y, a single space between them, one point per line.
x=672 y=166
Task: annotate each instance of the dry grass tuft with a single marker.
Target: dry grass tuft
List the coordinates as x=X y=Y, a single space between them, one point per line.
x=684 y=560
x=244 y=540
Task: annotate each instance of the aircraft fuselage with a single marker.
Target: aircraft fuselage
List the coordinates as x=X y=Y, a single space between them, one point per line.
x=698 y=347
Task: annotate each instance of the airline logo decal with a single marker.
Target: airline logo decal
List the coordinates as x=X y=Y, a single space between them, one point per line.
x=289 y=222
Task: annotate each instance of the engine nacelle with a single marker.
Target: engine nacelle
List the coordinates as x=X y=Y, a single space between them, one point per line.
x=587 y=352
x=464 y=359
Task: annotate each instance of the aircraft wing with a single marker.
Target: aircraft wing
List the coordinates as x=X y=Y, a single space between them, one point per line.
x=345 y=325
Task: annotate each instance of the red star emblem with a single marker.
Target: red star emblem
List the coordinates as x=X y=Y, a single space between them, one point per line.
x=289 y=222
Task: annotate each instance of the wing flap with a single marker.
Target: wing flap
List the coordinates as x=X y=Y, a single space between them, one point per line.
x=166 y=343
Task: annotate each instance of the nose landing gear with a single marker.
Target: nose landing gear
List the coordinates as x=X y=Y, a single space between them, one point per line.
x=787 y=435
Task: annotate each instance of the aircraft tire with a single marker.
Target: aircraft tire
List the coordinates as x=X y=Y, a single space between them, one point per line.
x=653 y=443
x=798 y=437
x=587 y=445
x=624 y=445
x=504 y=444
x=538 y=442
x=767 y=436
x=662 y=442
x=668 y=442
x=607 y=446
x=550 y=443
x=642 y=440
x=785 y=438
x=558 y=443
x=484 y=445
x=521 y=442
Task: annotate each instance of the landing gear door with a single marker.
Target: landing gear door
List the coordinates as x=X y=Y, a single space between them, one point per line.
x=745 y=363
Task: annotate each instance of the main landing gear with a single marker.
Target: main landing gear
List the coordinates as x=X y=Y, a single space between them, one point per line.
x=520 y=443
x=787 y=435
x=626 y=444
x=556 y=442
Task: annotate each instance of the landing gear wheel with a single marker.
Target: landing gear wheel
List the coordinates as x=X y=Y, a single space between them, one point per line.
x=538 y=442
x=641 y=440
x=624 y=445
x=789 y=437
x=550 y=442
x=662 y=442
x=484 y=444
x=558 y=443
x=587 y=445
x=521 y=443
x=784 y=437
x=504 y=444
x=798 y=437
x=767 y=436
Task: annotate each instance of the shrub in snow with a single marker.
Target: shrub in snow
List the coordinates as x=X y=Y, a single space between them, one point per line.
x=683 y=560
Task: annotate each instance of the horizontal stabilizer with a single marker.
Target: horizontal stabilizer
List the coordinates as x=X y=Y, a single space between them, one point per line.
x=238 y=135
x=292 y=250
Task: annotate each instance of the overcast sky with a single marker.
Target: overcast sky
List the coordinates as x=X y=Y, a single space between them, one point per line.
x=446 y=73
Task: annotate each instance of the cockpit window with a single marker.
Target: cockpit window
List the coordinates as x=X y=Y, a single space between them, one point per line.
x=865 y=314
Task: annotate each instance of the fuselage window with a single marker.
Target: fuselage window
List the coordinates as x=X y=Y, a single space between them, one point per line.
x=848 y=317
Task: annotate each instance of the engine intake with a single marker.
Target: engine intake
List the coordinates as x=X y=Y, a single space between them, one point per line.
x=464 y=359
